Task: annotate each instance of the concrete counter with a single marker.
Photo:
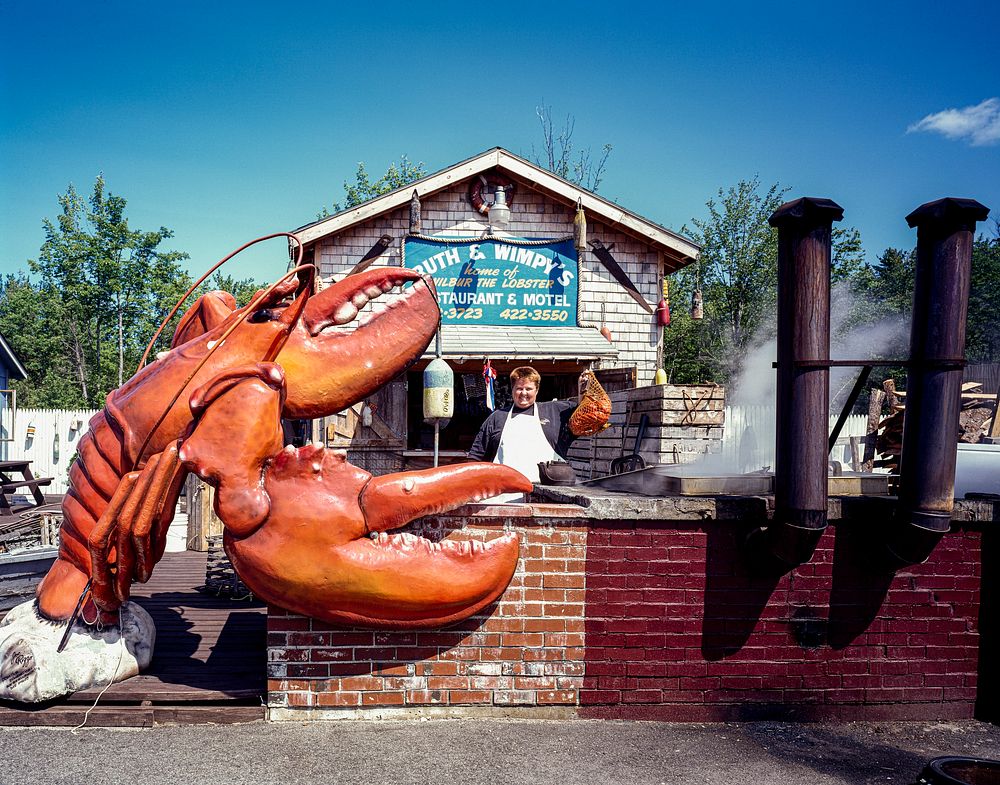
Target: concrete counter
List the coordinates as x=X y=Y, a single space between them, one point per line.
x=600 y=504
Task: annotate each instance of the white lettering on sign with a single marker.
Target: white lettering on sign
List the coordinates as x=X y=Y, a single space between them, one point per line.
x=439 y=261
x=469 y=298
x=536 y=298
x=533 y=259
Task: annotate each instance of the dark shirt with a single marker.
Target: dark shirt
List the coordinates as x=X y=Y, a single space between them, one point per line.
x=553 y=416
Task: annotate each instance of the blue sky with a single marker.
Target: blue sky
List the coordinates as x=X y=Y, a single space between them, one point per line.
x=227 y=121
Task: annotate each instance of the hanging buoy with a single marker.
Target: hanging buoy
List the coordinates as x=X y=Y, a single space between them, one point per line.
x=439 y=392
x=663 y=307
x=580 y=229
x=697 y=306
x=415 y=213
x=660 y=377
x=604 y=328
x=366 y=415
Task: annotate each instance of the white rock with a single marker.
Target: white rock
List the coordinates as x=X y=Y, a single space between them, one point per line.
x=31 y=670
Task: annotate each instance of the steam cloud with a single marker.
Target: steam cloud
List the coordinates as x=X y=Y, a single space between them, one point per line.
x=756 y=384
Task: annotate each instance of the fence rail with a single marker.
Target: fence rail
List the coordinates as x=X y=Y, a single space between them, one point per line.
x=48 y=438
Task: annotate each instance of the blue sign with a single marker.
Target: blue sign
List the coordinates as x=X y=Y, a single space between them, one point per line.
x=498 y=281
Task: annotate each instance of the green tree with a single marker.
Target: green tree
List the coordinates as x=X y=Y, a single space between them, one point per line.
x=889 y=283
x=738 y=268
x=101 y=288
x=242 y=289
x=560 y=156
x=737 y=273
x=982 y=344
x=847 y=254
x=364 y=188
x=32 y=320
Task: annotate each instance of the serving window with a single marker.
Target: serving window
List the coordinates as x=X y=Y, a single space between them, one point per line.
x=559 y=380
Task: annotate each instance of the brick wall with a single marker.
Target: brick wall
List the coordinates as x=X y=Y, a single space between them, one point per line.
x=661 y=620
x=678 y=627
x=525 y=651
x=535 y=216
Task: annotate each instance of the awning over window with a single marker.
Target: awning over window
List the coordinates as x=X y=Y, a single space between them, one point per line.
x=516 y=343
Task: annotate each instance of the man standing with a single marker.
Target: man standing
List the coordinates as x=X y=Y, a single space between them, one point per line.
x=527 y=434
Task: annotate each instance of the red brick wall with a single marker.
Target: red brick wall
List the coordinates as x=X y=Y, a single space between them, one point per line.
x=526 y=650
x=664 y=620
x=679 y=628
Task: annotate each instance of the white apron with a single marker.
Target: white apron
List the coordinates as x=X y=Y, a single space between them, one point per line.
x=522 y=446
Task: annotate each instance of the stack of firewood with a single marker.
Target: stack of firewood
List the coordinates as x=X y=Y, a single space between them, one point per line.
x=885 y=434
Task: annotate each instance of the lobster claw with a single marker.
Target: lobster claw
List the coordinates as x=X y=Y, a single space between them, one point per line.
x=306 y=530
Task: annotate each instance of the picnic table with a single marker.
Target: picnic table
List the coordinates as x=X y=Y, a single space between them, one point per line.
x=9 y=483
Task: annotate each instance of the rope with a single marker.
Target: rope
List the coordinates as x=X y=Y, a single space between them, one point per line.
x=200 y=281
x=246 y=312
x=121 y=657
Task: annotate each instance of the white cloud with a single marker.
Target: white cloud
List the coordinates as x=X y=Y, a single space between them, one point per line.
x=979 y=125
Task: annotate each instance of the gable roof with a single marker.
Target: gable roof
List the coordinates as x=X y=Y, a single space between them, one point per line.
x=678 y=250
x=8 y=358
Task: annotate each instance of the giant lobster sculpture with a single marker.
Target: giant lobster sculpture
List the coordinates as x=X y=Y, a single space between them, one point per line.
x=305 y=529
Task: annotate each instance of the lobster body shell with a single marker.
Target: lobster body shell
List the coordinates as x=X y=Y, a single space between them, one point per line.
x=139 y=419
x=304 y=528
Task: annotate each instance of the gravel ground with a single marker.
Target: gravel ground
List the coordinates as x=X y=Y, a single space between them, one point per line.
x=491 y=751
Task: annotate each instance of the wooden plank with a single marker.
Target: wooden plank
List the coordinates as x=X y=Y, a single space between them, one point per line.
x=61 y=716
x=876 y=397
x=200 y=715
x=672 y=392
x=210 y=662
x=697 y=432
x=130 y=716
x=678 y=405
x=681 y=417
x=13 y=485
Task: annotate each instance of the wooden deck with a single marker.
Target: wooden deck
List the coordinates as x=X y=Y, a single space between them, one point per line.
x=209 y=664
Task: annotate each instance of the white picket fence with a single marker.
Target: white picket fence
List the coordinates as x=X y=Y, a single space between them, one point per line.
x=748 y=438
x=46 y=437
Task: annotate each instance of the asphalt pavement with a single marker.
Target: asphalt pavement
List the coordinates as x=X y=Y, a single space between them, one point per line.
x=504 y=752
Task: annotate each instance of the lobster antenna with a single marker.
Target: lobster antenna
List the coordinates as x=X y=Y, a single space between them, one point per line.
x=250 y=308
x=200 y=281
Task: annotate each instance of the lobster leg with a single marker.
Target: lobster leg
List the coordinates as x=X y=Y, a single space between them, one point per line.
x=124 y=553
x=150 y=529
x=98 y=543
x=135 y=522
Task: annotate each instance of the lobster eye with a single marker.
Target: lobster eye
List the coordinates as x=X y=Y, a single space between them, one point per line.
x=263 y=315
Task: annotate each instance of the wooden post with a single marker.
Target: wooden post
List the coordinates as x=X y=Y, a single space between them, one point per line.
x=875 y=400
x=202 y=520
x=889 y=385
x=855 y=453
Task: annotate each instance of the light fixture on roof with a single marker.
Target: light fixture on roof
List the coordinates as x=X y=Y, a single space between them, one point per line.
x=499 y=214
